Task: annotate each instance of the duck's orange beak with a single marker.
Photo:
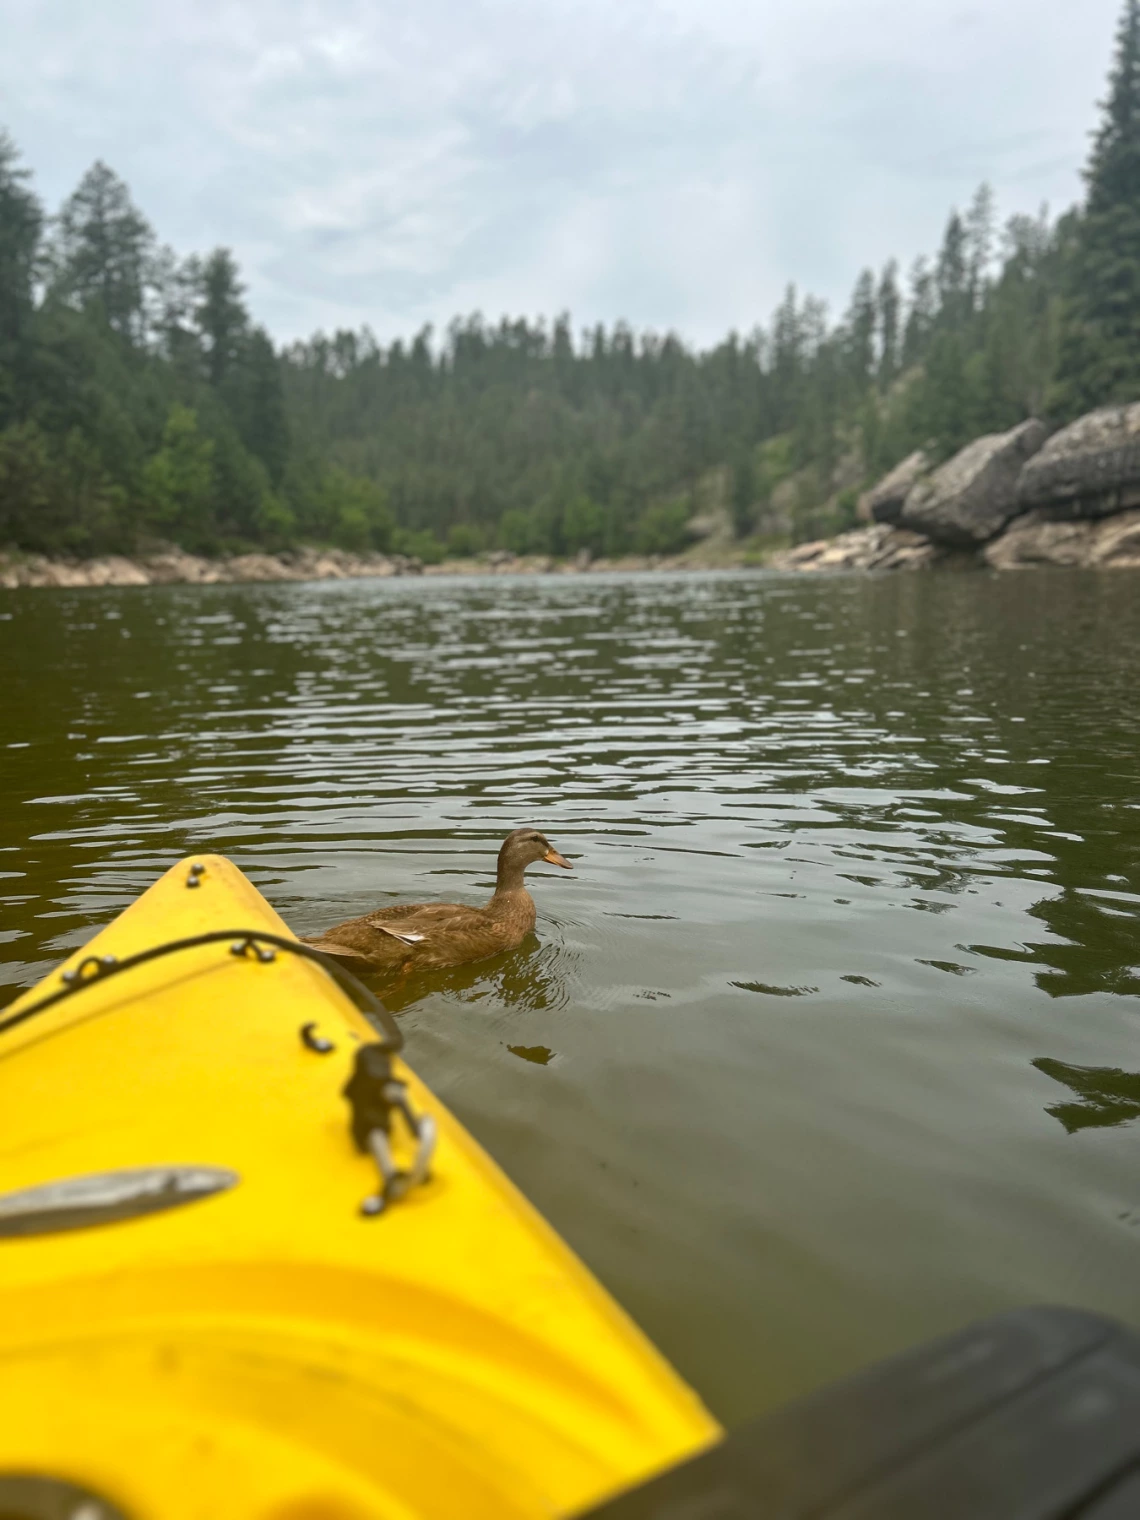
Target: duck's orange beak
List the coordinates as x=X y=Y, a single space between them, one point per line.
x=553 y=858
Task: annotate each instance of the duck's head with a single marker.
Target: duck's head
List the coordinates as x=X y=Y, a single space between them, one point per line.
x=525 y=847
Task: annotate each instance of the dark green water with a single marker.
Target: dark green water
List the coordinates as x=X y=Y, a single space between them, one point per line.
x=832 y=1040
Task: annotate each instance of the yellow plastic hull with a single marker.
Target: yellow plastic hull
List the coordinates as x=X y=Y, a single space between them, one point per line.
x=267 y=1353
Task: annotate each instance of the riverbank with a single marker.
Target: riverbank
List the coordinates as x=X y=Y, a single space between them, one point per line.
x=1111 y=544
x=1009 y=501
x=176 y=567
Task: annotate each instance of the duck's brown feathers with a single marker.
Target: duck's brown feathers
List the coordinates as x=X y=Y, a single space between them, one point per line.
x=423 y=936
x=429 y=936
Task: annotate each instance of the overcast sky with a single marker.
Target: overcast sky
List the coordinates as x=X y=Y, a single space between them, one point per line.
x=672 y=162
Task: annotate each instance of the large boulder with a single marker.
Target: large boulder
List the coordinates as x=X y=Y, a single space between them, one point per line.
x=1034 y=539
x=884 y=503
x=970 y=498
x=1089 y=469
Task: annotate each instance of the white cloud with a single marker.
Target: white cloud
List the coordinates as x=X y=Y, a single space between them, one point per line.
x=674 y=162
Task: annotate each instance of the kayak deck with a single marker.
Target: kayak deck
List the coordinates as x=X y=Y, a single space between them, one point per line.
x=267 y=1350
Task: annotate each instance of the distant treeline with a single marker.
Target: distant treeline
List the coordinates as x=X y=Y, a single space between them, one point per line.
x=141 y=404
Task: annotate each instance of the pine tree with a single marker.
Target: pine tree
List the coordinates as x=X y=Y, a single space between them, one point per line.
x=743 y=494
x=220 y=314
x=21 y=220
x=860 y=324
x=922 y=308
x=952 y=276
x=259 y=404
x=1019 y=338
x=101 y=250
x=177 y=481
x=173 y=286
x=949 y=414
x=787 y=357
x=889 y=307
x=979 y=230
x=1099 y=360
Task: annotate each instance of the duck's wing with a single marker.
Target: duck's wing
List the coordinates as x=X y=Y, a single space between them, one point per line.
x=387 y=936
x=341 y=952
x=375 y=938
x=417 y=923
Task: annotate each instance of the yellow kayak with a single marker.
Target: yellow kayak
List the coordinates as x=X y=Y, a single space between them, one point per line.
x=250 y=1267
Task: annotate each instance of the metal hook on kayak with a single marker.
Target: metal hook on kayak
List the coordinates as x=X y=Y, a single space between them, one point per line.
x=249 y=946
x=89 y=970
x=394 y=1180
x=375 y=1094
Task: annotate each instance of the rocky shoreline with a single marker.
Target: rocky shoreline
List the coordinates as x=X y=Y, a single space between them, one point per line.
x=1009 y=501
x=176 y=567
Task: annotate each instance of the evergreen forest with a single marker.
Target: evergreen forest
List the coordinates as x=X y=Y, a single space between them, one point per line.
x=141 y=404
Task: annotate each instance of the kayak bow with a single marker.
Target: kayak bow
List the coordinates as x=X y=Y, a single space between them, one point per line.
x=228 y=1291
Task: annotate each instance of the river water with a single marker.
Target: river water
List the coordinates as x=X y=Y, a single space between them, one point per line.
x=832 y=1039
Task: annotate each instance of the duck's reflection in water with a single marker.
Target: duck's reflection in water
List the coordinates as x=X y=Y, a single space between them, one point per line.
x=1105 y=1095
x=533 y=977
x=538 y=1055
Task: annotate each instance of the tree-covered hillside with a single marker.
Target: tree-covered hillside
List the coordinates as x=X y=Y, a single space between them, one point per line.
x=140 y=403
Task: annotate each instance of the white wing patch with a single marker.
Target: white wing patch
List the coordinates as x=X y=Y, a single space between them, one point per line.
x=405 y=938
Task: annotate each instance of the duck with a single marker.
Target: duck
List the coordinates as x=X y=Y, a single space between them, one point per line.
x=412 y=937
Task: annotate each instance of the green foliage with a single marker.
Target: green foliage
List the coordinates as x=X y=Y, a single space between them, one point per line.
x=139 y=400
x=351 y=511
x=28 y=494
x=257 y=403
x=136 y=399
x=661 y=528
x=583 y=525
x=178 y=481
x=464 y=540
x=744 y=494
x=21 y=223
x=1099 y=358
x=845 y=508
x=514 y=530
x=219 y=314
x=56 y=499
x=775 y=465
x=889 y=300
x=100 y=249
x=422 y=546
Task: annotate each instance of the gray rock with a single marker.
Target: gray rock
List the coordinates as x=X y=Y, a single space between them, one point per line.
x=258 y=567
x=884 y=503
x=176 y=567
x=970 y=498
x=1034 y=539
x=878 y=547
x=1117 y=544
x=1089 y=469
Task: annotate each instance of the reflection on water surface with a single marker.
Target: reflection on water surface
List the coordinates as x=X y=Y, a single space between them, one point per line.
x=1105 y=1094
x=856 y=885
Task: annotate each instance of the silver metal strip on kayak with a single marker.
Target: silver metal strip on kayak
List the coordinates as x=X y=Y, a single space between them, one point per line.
x=74 y=1203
